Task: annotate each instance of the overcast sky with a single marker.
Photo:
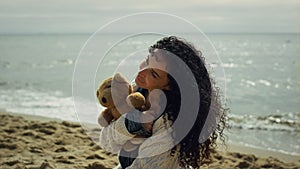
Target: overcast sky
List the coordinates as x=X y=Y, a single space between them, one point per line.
x=211 y=16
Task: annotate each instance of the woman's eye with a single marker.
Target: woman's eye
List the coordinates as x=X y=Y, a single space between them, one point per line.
x=153 y=74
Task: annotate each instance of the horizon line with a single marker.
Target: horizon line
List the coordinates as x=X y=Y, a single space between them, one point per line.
x=110 y=33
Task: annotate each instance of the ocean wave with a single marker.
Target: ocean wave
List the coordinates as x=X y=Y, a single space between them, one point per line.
x=289 y=122
x=50 y=104
x=3 y=83
x=64 y=61
x=5 y=64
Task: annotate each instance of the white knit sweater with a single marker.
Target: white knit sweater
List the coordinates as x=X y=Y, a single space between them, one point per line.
x=154 y=152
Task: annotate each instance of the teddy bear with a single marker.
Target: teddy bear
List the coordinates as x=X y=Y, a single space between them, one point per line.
x=117 y=102
x=121 y=101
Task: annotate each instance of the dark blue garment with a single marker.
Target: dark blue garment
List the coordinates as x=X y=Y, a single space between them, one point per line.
x=144 y=92
x=127 y=158
x=134 y=126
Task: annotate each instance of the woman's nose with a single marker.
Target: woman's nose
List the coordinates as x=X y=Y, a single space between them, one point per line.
x=142 y=73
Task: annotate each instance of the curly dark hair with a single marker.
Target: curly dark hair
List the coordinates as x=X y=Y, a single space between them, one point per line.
x=192 y=153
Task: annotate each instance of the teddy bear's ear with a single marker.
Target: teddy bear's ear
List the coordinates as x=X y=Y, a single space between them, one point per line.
x=119 y=78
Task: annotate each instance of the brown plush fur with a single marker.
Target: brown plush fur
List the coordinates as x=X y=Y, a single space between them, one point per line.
x=118 y=101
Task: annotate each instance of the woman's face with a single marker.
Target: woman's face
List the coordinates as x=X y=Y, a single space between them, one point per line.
x=153 y=74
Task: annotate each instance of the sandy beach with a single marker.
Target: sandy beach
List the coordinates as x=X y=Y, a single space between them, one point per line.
x=39 y=143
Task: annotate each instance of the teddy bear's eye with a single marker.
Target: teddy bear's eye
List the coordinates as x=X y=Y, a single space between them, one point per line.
x=103 y=100
x=108 y=86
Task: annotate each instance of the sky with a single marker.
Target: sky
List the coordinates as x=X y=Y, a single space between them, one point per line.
x=211 y=16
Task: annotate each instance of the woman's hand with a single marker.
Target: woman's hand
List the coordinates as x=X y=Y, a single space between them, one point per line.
x=147 y=120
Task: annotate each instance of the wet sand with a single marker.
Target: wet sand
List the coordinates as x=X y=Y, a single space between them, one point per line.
x=34 y=142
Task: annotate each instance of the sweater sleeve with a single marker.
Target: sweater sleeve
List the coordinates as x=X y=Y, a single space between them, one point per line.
x=114 y=136
x=155 y=150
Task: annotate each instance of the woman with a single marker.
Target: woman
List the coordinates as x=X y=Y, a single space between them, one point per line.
x=170 y=145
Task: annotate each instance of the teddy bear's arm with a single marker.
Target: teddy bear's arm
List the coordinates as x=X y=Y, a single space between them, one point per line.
x=105 y=118
x=136 y=99
x=114 y=136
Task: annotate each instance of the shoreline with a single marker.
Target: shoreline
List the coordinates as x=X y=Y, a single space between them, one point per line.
x=33 y=141
x=261 y=152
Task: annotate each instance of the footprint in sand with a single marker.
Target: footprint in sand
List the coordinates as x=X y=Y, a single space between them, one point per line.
x=95 y=156
x=65 y=160
x=8 y=146
x=61 y=149
x=96 y=165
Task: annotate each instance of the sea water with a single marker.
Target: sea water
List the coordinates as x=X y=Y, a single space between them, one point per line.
x=262 y=82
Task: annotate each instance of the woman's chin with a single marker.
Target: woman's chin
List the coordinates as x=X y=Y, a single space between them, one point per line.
x=138 y=83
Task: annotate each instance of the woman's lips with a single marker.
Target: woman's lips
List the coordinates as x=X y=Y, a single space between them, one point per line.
x=139 y=79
